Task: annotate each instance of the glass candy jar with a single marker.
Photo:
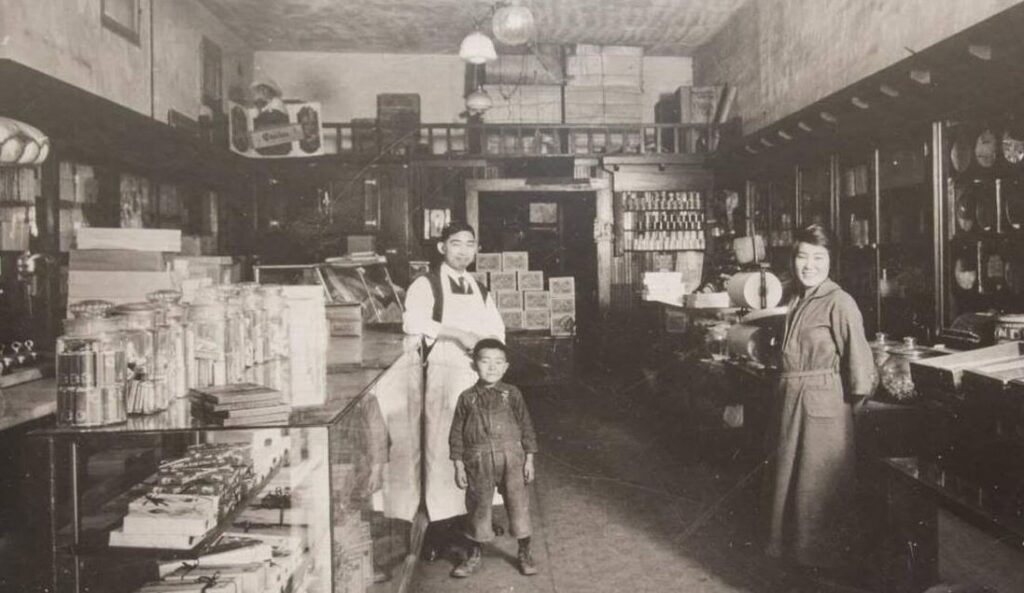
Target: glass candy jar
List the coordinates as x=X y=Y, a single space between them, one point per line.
x=256 y=325
x=895 y=372
x=880 y=348
x=237 y=345
x=170 y=318
x=147 y=391
x=275 y=338
x=91 y=368
x=209 y=331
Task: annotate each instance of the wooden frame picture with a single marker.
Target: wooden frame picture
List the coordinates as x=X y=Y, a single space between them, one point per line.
x=123 y=17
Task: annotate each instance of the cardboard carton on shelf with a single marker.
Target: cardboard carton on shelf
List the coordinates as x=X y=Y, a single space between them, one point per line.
x=488 y=262
x=563 y=305
x=707 y=300
x=513 y=320
x=536 y=300
x=509 y=300
x=562 y=286
x=531 y=280
x=515 y=261
x=563 y=324
x=503 y=281
x=537 y=319
x=130 y=239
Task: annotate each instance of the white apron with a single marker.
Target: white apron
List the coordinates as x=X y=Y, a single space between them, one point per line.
x=449 y=373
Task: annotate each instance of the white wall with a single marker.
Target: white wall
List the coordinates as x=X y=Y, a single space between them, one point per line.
x=66 y=39
x=347 y=84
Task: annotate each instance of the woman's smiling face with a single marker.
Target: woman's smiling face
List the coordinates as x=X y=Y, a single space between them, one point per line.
x=811 y=264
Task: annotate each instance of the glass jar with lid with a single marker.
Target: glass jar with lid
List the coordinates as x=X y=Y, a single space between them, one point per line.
x=275 y=337
x=147 y=391
x=209 y=330
x=895 y=372
x=256 y=323
x=171 y=319
x=91 y=368
x=237 y=344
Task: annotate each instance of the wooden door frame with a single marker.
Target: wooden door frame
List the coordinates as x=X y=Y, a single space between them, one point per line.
x=602 y=188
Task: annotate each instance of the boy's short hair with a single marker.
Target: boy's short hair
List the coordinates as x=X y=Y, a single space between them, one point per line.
x=489 y=344
x=456 y=227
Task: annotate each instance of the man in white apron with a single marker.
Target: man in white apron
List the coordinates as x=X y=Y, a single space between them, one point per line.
x=452 y=313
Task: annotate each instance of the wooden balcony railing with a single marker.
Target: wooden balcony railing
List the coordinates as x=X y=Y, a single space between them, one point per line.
x=518 y=140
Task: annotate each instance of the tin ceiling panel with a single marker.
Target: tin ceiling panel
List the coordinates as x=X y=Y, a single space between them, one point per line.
x=662 y=27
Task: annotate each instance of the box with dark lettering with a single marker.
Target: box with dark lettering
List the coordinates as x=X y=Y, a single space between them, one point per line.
x=531 y=280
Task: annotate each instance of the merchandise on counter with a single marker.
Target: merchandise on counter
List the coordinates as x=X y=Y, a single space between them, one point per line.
x=239 y=404
x=563 y=324
x=895 y=375
x=664 y=287
x=345 y=319
x=116 y=260
x=944 y=373
x=244 y=577
x=513 y=320
x=226 y=551
x=129 y=239
x=563 y=305
x=149 y=357
x=503 y=281
x=174 y=514
x=707 y=300
x=115 y=286
x=171 y=319
x=165 y=541
x=745 y=290
x=189 y=586
x=533 y=280
x=91 y=368
x=536 y=319
x=515 y=261
x=488 y=262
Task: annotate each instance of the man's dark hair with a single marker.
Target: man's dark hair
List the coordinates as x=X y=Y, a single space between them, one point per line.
x=489 y=344
x=456 y=227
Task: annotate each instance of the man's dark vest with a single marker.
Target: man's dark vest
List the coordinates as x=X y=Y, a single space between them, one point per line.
x=435 y=287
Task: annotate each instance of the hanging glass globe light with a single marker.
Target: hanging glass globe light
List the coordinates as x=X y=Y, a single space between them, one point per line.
x=478 y=101
x=512 y=24
x=477 y=48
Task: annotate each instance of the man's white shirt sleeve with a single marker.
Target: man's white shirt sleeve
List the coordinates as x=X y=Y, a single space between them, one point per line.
x=419 y=310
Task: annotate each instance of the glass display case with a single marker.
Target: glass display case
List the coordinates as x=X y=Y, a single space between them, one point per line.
x=172 y=502
x=346 y=280
x=858 y=232
x=814 y=187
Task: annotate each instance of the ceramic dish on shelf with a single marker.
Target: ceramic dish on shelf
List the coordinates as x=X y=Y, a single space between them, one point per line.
x=986 y=149
x=964 y=273
x=1013 y=145
x=964 y=208
x=960 y=154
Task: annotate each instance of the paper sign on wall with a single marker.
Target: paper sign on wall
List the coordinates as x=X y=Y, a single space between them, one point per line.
x=279 y=130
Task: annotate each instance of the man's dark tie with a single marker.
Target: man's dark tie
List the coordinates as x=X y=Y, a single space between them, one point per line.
x=459 y=287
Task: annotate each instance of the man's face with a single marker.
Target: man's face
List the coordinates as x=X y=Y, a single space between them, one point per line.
x=491 y=365
x=459 y=250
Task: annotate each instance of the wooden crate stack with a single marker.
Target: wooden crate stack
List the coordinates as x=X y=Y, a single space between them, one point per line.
x=521 y=298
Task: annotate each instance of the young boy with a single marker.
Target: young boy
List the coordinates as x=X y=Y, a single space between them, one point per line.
x=492 y=445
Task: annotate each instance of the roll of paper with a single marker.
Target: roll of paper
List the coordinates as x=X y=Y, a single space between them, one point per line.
x=745 y=290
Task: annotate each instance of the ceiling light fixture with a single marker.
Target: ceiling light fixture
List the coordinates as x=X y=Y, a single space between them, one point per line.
x=477 y=48
x=478 y=101
x=512 y=23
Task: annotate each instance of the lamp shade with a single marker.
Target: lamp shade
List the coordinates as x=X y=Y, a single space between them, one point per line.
x=21 y=143
x=477 y=48
x=512 y=24
x=478 y=101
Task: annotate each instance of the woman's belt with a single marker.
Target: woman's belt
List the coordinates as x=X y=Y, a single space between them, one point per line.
x=810 y=373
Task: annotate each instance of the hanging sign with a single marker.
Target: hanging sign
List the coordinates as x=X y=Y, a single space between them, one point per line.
x=278 y=130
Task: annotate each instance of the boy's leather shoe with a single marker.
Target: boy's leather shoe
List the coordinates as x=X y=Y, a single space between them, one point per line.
x=526 y=564
x=468 y=566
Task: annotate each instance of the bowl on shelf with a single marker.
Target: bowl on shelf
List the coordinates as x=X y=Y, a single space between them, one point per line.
x=1012 y=144
x=986 y=149
x=961 y=153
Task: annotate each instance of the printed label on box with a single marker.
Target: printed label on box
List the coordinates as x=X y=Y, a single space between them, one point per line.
x=515 y=261
x=503 y=281
x=564 y=285
x=536 y=300
x=563 y=305
x=531 y=280
x=488 y=262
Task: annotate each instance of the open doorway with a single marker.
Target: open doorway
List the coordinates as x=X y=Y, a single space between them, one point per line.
x=556 y=229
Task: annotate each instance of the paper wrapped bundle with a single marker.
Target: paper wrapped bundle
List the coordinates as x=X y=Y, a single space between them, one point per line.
x=182 y=514
x=245 y=577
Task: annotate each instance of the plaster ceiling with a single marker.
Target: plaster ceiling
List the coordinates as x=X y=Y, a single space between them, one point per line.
x=662 y=27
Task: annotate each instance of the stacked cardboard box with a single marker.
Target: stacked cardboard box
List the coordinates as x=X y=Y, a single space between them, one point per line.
x=120 y=265
x=521 y=298
x=605 y=85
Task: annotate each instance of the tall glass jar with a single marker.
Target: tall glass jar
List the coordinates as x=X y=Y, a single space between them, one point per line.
x=171 y=318
x=210 y=334
x=237 y=339
x=307 y=348
x=275 y=336
x=895 y=372
x=256 y=323
x=147 y=390
x=91 y=368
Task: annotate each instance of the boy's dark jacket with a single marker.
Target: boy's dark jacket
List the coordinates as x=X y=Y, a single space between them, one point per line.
x=490 y=418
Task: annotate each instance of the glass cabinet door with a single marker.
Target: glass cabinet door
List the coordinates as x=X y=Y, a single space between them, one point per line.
x=782 y=221
x=815 y=189
x=858 y=233
x=905 y=238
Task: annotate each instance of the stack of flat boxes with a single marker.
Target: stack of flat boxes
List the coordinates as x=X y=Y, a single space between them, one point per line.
x=519 y=294
x=605 y=85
